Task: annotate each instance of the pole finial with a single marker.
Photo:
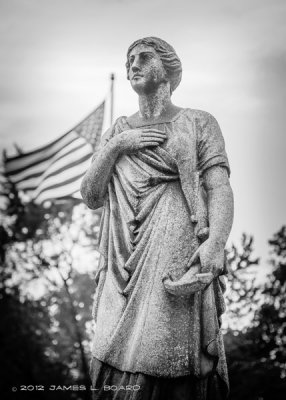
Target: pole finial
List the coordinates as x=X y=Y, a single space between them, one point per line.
x=112 y=77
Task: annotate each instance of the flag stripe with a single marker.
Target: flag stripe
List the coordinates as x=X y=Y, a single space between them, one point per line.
x=69 y=187
x=16 y=166
x=68 y=162
x=43 y=149
x=77 y=195
x=71 y=165
x=62 y=177
x=56 y=170
x=38 y=170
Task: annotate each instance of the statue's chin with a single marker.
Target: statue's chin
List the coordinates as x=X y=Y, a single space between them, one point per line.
x=137 y=87
x=145 y=88
x=142 y=87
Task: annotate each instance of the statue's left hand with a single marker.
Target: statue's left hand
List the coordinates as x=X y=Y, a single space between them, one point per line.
x=211 y=257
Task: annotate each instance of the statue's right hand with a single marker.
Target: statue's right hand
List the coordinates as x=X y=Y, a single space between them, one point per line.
x=133 y=140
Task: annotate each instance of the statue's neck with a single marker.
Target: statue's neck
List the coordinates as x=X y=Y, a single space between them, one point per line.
x=156 y=104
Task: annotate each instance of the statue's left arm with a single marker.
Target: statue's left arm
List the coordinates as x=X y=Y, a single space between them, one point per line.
x=215 y=171
x=220 y=215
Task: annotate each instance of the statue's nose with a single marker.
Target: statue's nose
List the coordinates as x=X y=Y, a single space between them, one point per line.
x=135 y=65
x=135 y=68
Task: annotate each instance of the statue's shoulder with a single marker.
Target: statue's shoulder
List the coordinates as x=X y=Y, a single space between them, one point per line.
x=133 y=120
x=199 y=116
x=120 y=124
x=117 y=127
x=204 y=122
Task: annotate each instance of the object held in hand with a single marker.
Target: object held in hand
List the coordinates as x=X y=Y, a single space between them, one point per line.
x=189 y=283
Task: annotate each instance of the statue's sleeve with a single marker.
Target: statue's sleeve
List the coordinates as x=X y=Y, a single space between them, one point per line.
x=211 y=146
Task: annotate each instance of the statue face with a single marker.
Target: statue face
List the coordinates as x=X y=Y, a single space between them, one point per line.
x=146 y=71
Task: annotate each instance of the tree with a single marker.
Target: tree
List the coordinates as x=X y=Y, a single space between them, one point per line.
x=26 y=346
x=38 y=252
x=271 y=318
x=256 y=353
x=243 y=296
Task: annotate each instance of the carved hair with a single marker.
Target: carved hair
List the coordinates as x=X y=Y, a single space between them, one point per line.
x=168 y=56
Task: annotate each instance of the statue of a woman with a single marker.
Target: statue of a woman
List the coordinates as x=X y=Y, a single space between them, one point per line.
x=161 y=176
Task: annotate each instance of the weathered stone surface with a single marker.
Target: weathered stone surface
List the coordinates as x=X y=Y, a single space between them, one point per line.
x=162 y=177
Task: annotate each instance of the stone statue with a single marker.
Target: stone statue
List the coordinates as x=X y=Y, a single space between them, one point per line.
x=161 y=176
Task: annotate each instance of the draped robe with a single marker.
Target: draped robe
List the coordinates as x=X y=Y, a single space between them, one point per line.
x=151 y=217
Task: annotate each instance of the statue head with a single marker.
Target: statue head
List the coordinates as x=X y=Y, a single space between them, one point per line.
x=168 y=56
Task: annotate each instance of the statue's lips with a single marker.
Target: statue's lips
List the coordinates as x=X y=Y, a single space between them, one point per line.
x=137 y=76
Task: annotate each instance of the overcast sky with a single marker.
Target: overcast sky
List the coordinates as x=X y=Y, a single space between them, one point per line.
x=56 y=57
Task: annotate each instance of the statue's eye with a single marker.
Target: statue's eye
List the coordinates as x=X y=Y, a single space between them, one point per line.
x=146 y=56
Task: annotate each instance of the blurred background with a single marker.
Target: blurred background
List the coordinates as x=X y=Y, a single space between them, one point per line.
x=56 y=62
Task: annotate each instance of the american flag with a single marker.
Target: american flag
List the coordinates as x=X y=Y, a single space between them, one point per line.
x=55 y=171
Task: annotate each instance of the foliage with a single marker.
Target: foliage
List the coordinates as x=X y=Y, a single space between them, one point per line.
x=27 y=347
x=257 y=354
x=46 y=296
x=271 y=318
x=243 y=296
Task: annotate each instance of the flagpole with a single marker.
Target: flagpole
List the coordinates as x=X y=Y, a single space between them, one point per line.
x=112 y=77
